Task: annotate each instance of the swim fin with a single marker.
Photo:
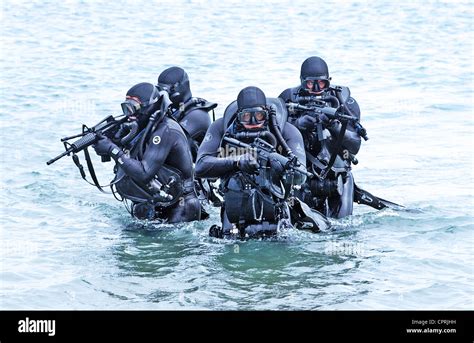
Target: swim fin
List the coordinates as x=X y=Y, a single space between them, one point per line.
x=306 y=218
x=365 y=198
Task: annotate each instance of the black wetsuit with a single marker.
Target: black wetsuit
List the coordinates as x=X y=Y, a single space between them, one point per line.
x=194 y=122
x=319 y=153
x=210 y=165
x=351 y=141
x=167 y=148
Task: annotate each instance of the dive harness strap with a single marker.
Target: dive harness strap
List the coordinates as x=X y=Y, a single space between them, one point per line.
x=310 y=157
x=191 y=104
x=90 y=166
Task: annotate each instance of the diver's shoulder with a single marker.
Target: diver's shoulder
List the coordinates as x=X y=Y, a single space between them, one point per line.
x=344 y=91
x=217 y=123
x=169 y=125
x=287 y=93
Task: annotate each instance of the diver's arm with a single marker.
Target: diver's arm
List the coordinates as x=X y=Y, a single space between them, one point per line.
x=154 y=157
x=208 y=165
x=295 y=142
x=195 y=123
x=352 y=140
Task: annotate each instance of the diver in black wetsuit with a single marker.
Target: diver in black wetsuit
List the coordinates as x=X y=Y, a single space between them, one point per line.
x=315 y=82
x=154 y=167
x=331 y=145
x=193 y=115
x=252 y=206
x=334 y=195
x=190 y=112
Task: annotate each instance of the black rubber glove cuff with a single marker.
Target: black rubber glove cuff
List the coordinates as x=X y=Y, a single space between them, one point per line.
x=116 y=153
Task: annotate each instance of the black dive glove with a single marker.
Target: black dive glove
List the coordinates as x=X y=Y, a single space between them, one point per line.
x=306 y=123
x=277 y=164
x=324 y=119
x=248 y=164
x=105 y=147
x=291 y=175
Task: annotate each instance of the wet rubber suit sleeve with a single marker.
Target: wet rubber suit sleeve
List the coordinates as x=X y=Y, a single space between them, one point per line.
x=154 y=157
x=352 y=140
x=295 y=142
x=209 y=164
x=195 y=123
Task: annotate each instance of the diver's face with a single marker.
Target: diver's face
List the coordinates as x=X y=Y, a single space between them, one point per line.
x=131 y=107
x=310 y=86
x=253 y=118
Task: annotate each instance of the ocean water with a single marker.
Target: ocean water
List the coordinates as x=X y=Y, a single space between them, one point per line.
x=64 y=245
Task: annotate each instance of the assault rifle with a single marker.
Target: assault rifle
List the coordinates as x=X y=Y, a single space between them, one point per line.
x=107 y=127
x=315 y=108
x=265 y=153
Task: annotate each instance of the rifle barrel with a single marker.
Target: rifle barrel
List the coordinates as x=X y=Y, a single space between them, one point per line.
x=67 y=152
